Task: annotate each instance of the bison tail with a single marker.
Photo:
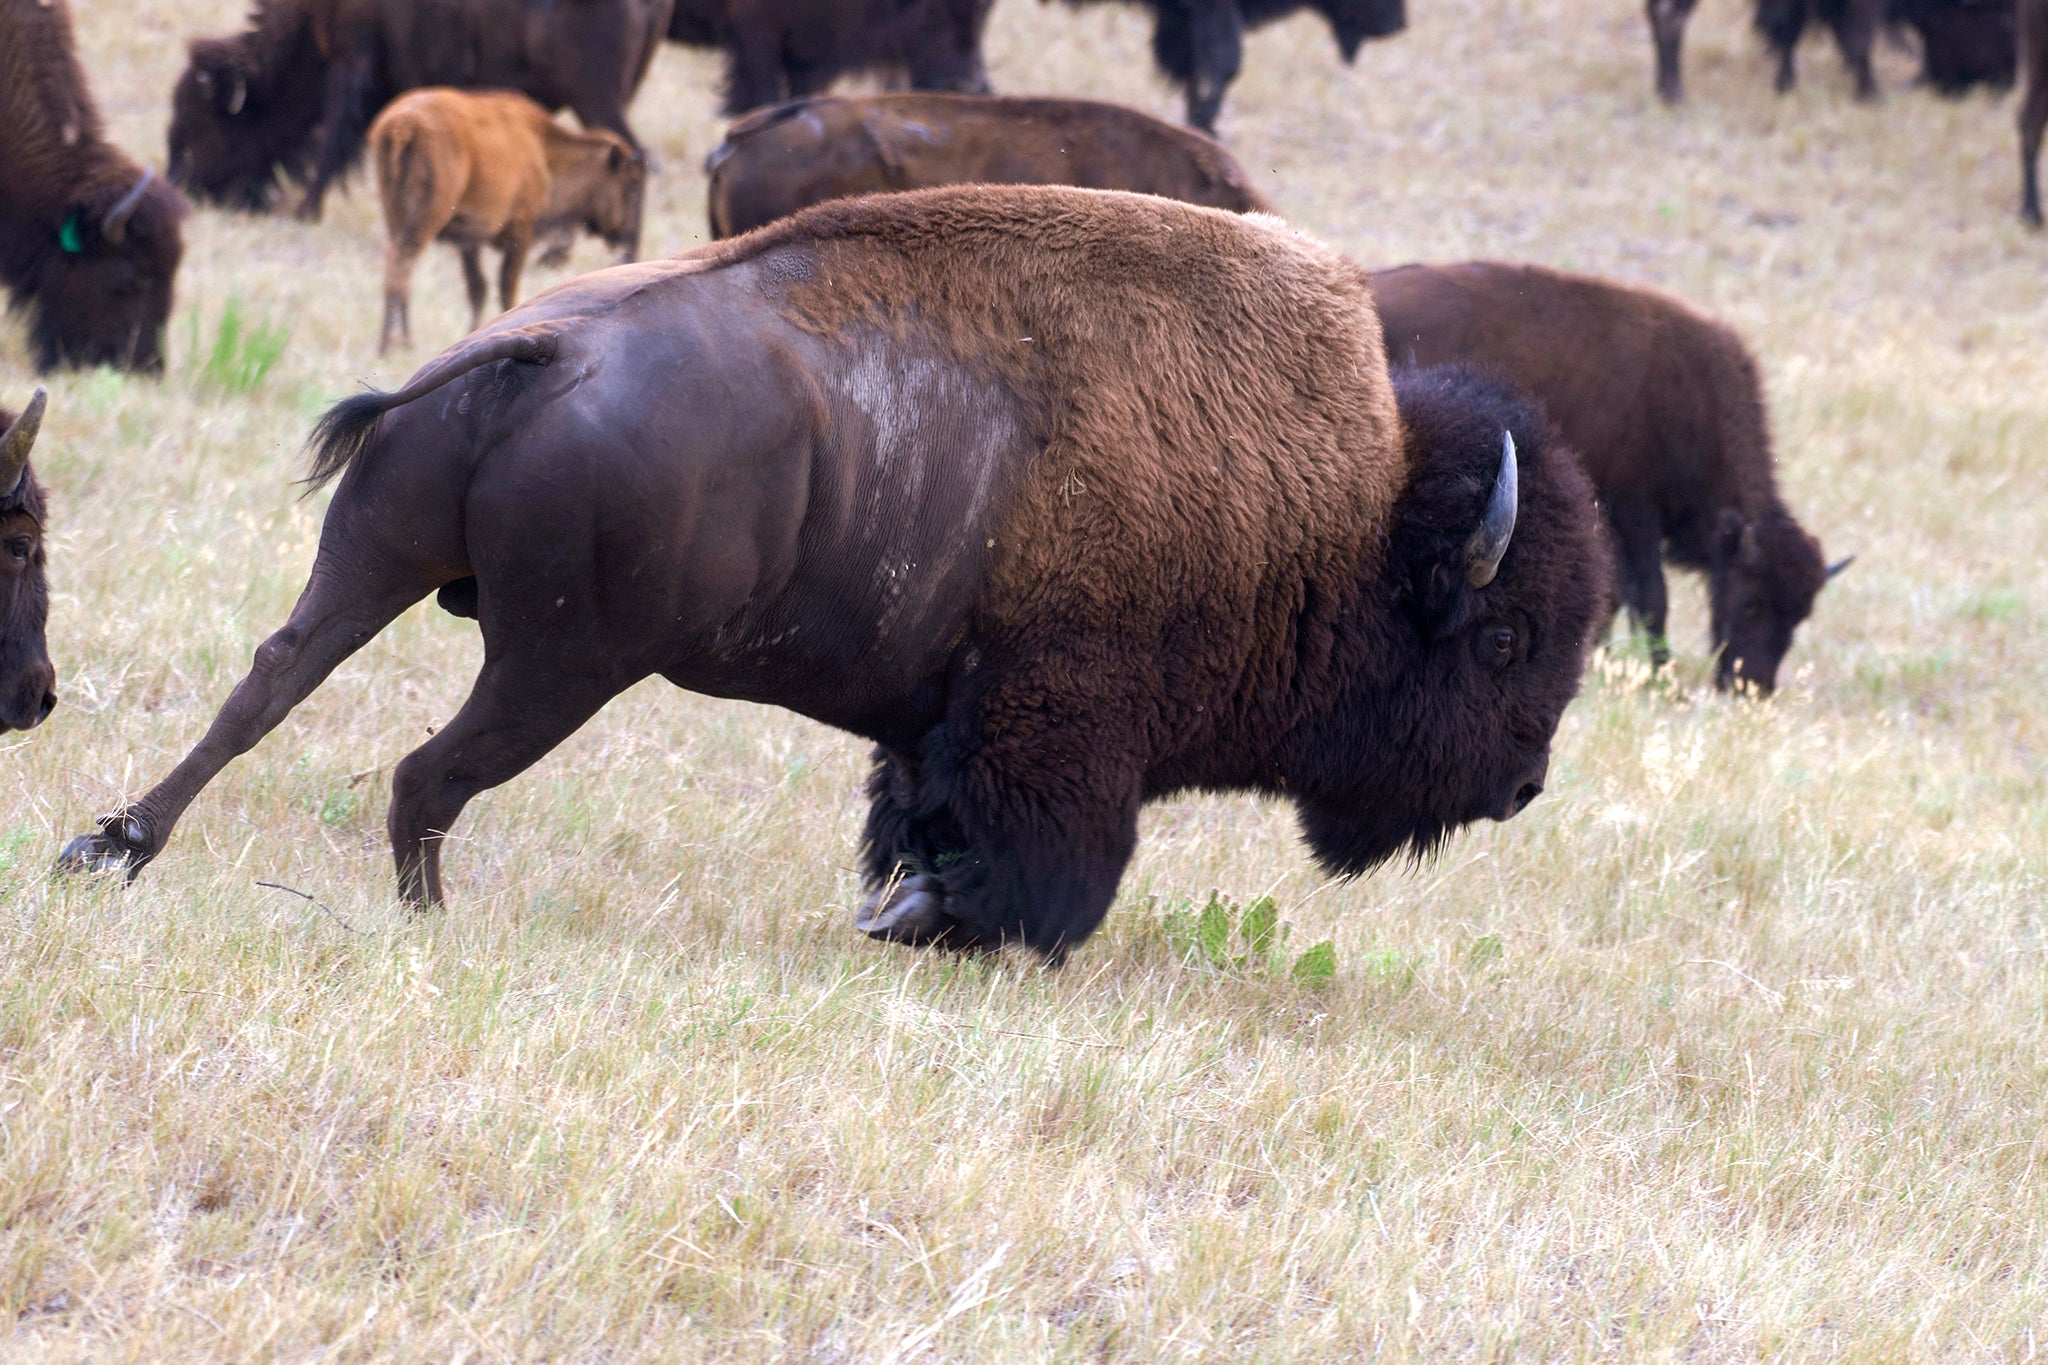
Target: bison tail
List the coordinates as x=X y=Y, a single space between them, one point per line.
x=342 y=434
x=347 y=429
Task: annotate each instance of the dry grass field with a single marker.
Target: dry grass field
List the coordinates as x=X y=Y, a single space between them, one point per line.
x=1735 y=1045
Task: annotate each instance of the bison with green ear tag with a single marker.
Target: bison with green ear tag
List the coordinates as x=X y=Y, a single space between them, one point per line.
x=28 y=683
x=89 y=240
x=1067 y=500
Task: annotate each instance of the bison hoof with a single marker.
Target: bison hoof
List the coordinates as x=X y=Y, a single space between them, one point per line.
x=909 y=911
x=121 y=844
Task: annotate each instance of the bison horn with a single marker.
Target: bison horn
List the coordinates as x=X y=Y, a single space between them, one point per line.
x=19 y=440
x=238 y=95
x=115 y=226
x=1840 y=565
x=1484 y=550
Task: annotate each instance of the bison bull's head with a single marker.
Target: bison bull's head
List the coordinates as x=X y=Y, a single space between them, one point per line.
x=1494 y=579
x=1761 y=584
x=104 y=291
x=27 y=681
x=233 y=130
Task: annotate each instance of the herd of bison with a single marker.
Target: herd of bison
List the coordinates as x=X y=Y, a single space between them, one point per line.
x=1017 y=436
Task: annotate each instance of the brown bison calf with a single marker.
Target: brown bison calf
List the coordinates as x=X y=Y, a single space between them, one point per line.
x=490 y=167
x=2033 y=31
x=1664 y=409
x=795 y=155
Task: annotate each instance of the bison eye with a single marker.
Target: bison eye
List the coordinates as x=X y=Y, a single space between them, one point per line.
x=1495 y=646
x=18 y=549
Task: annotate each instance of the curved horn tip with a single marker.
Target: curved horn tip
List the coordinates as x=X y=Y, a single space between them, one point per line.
x=115 y=228
x=18 y=440
x=1840 y=565
x=1497 y=525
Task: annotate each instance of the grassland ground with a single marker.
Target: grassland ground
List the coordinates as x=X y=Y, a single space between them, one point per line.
x=1734 y=1045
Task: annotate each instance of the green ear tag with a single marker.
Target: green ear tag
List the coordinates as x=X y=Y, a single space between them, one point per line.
x=70 y=236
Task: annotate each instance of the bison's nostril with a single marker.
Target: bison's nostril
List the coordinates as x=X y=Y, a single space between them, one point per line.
x=49 y=705
x=1529 y=792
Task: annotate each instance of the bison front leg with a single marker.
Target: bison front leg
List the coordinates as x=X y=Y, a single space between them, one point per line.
x=1639 y=555
x=1855 y=24
x=345 y=118
x=2033 y=118
x=1203 y=45
x=1008 y=842
x=1667 y=31
x=521 y=707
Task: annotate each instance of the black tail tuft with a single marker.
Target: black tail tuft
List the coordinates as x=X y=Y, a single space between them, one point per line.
x=343 y=432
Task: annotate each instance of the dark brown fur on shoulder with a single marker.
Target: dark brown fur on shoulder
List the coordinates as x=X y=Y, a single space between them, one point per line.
x=89 y=240
x=783 y=159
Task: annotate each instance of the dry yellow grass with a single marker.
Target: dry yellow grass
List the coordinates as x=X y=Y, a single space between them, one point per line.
x=1735 y=1045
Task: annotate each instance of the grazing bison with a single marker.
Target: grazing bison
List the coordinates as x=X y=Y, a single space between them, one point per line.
x=296 y=93
x=779 y=160
x=1199 y=44
x=1664 y=408
x=1066 y=499
x=791 y=48
x=1963 y=43
x=89 y=241
x=1782 y=23
x=2033 y=49
x=28 y=684
x=490 y=167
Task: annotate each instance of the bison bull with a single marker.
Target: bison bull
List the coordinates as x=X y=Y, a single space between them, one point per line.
x=294 y=95
x=1066 y=499
x=28 y=682
x=1664 y=408
x=89 y=240
x=780 y=160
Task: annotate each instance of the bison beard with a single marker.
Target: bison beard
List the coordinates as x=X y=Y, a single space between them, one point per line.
x=1067 y=500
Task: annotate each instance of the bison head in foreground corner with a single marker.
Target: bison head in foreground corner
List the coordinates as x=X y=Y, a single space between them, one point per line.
x=1066 y=499
x=27 y=680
